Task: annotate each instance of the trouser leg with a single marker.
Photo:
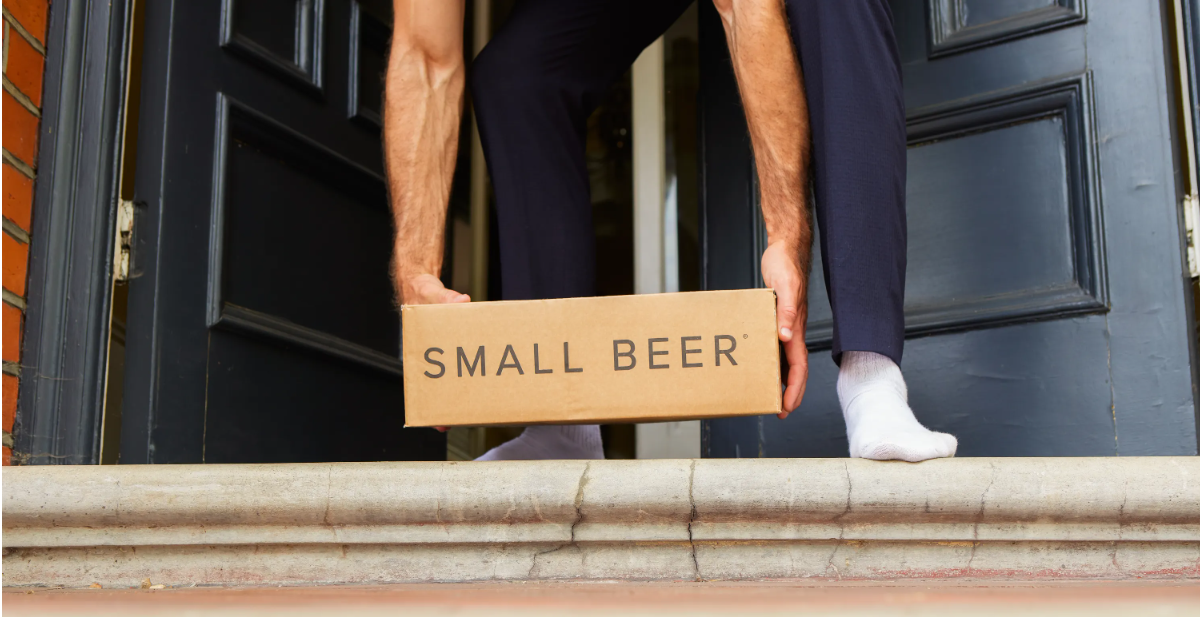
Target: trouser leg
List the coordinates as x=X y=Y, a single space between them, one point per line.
x=852 y=79
x=533 y=87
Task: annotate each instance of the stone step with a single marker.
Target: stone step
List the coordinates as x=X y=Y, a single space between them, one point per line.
x=1003 y=518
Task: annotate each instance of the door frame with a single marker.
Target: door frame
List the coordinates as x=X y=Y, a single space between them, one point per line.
x=1191 y=24
x=1185 y=37
x=69 y=299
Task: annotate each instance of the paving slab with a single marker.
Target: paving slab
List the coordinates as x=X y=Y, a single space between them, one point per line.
x=933 y=598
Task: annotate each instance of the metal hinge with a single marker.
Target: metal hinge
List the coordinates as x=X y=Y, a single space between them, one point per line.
x=124 y=240
x=1191 y=218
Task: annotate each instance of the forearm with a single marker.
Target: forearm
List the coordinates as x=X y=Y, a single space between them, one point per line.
x=422 y=112
x=771 y=88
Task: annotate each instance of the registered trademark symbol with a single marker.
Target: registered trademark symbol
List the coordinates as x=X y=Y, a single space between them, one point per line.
x=745 y=336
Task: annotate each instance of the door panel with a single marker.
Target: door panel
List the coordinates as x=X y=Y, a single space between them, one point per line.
x=956 y=25
x=983 y=249
x=272 y=235
x=283 y=36
x=261 y=319
x=1044 y=306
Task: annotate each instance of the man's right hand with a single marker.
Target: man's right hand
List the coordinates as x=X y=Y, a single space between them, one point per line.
x=428 y=289
x=782 y=271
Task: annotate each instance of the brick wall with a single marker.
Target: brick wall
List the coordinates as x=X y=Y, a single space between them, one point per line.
x=24 y=63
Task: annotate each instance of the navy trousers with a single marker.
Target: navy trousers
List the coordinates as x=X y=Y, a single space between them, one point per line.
x=535 y=84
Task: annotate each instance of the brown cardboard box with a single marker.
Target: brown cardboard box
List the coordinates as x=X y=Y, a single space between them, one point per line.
x=638 y=358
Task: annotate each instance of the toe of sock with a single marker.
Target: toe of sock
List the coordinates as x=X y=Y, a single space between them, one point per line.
x=949 y=445
x=883 y=451
x=911 y=447
x=887 y=451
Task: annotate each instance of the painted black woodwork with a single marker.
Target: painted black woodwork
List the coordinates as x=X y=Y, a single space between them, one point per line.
x=1191 y=22
x=368 y=60
x=959 y=25
x=261 y=318
x=273 y=188
x=1045 y=310
x=259 y=31
x=70 y=259
x=1050 y=263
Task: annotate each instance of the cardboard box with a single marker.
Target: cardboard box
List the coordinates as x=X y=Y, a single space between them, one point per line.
x=641 y=358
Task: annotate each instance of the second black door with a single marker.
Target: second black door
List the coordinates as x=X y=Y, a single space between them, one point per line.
x=261 y=317
x=1046 y=309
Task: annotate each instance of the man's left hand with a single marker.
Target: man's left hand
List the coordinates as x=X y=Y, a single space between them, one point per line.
x=781 y=271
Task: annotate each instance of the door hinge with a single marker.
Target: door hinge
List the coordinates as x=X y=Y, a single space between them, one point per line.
x=1191 y=218
x=124 y=240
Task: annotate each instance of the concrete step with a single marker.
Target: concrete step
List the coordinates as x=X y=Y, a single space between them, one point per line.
x=694 y=520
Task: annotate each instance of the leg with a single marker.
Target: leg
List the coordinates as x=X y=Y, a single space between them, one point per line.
x=852 y=78
x=533 y=88
x=856 y=107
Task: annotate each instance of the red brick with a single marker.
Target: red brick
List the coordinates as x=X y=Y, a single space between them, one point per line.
x=25 y=67
x=10 y=401
x=16 y=259
x=18 y=197
x=20 y=131
x=31 y=14
x=12 y=333
x=7 y=454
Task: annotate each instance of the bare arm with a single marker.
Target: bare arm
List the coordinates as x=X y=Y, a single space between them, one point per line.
x=772 y=91
x=422 y=109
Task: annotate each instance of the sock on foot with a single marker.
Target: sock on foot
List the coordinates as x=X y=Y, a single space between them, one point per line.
x=879 y=422
x=546 y=442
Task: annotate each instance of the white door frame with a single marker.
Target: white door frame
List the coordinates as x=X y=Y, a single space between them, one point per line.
x=655 y=232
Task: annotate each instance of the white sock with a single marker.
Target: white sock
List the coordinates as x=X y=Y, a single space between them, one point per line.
x=879 y=423
x=542 y=442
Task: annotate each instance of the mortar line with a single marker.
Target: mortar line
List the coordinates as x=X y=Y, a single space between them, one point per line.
x=25 y=34
x=21 y=98
x=19 y=165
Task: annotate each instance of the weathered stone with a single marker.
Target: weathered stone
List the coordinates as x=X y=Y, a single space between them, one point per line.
x=635 y=520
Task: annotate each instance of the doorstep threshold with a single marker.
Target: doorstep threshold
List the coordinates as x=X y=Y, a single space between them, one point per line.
x=654 y=520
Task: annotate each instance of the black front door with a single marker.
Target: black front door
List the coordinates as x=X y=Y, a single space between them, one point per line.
x=261 y=324
x=1046 y=309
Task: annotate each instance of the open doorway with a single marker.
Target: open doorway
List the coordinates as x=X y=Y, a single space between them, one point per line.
x=611 y=167
x=610 y=171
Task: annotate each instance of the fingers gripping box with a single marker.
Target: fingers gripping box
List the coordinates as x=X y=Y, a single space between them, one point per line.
x=642 y=358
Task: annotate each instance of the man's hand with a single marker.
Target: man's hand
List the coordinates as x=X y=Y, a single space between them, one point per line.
x=782 y=272
x=427 y=289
